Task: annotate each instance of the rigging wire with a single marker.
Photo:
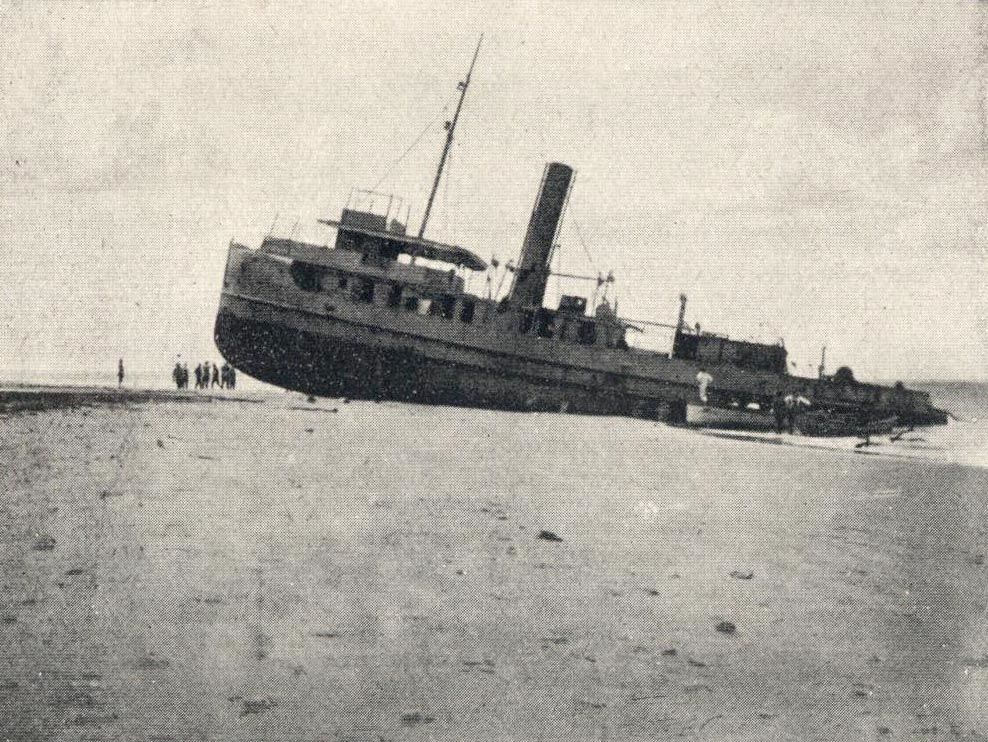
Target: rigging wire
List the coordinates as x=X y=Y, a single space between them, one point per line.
x=586 y=251
x=412 y=146
x=559 y=273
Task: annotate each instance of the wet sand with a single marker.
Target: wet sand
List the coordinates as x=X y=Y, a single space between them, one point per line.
x=192 y=570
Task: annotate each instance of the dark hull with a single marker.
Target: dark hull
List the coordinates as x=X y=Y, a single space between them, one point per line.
x=329 y=366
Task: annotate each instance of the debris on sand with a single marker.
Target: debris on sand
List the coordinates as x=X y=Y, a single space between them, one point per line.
x=726 y=627
x=257 y=705
x=739 y=575
x=671 y=652
x=310 y=430
x=43 y=542
x=153 y=663
x=414 y=717
x=651 y=591
x=310 y=399
x=548 y=536
x=161 y=443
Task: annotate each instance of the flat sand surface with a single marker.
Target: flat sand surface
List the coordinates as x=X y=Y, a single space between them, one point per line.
x=196 y=570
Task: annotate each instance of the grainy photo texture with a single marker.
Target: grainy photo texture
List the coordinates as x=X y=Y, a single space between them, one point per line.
x=493 y=371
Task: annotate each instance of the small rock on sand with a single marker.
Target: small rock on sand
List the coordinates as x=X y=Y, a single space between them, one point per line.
x=548 y=536
x=414 y=717
x=256 y=705
x=726 y=627
x=739 y=575
x=44 y=542
x=153 y=663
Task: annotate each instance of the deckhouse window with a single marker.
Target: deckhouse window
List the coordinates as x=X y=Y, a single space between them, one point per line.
x=545 y=323
x=411 y=303
x=444 y=306
x=394 y=295
x=306 y=276
x=467 y=310
x=587 y=334
x=364 y=291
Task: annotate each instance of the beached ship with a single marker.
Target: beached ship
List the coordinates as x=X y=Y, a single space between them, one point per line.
x=384 y=314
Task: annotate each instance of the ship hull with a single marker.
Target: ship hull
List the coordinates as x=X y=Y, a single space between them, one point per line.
x=300 y=325
x=330 y=364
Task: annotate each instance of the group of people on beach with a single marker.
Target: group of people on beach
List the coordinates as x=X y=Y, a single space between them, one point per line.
x=786 y=409
x=207 y=375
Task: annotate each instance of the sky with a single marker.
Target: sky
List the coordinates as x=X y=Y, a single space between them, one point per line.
x=812 y=172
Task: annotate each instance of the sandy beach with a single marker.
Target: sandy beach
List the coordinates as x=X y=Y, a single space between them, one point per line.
x=269 y=569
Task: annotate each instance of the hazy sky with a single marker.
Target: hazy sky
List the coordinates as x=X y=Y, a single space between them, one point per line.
x=811 y=171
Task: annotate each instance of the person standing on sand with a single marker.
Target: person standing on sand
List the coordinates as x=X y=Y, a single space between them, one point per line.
x=779 y=410
x=199 y=376
x=216 y=376
x=185 y=376
x=205 y=374
x=795 y=404
x=120 y=373
x=703 y=380
x=232 y=383
x=177 y=375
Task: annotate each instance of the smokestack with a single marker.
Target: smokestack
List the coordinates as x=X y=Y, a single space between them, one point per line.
x=532 y=274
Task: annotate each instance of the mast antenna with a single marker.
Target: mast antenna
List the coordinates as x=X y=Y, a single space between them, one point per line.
x=681 y=322
x=450 y=127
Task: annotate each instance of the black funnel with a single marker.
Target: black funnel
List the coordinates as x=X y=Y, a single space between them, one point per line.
x=528 y=287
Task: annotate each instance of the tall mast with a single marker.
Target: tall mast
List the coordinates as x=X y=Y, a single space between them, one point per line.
x=450 y=127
